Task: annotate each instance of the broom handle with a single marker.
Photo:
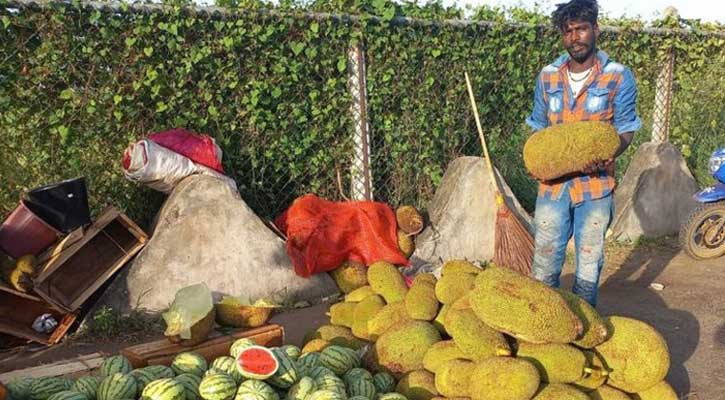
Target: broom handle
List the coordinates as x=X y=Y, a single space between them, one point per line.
x=483 y=140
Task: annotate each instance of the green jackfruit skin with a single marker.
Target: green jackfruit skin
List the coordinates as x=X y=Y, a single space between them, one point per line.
x=453 y=286
x=387 y=281
x=560 y=391
x=417 y=385
x=338 y=335
x=406 y=244
x=473 y=337
x=439 y=353
x=364 y=311
x=349 y=276
x=359 y=294
x=521 y=383
x=564 y=149
x=342 y=314
x=388 y=316
x=594 y=330
x=439 y=321
x=609 y=393
x=556 y=362
x=636 y=354
x=594 y=379
x=660 y=391
x=402 y=348
x=427 y=277
x=453 y=378
x=523 y=307
x=421 y=302
x=459 y=266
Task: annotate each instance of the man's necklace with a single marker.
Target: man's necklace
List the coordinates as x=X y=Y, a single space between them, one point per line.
x=589 y=71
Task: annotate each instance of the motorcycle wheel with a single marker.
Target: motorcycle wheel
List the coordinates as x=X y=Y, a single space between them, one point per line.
x=700 y=237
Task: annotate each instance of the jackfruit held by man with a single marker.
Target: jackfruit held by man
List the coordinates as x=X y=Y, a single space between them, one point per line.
x=564 y=149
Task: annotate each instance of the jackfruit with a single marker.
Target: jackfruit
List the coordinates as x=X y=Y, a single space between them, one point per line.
x=560 y=391
x=455 y=266
x=556 y=362
x=417 y=385
x=454 y=377
x=387 y=281
x=472 y=336
x=636 y=354
x=523 y=307
x=426 y=277
x=660 y=391
x=439 y=353
x=488 y=383
x=342 y=314
x=439 y=321
x=594 y=330
x=564 y=149
x=338 y=335
x=364 y=311
x=402 y=348
x=359 y=294
x=315 y=346
x=388 y=316
x=609 y=393
x=406 y=243
x=451 y=398
x=420 y=301
x=349 y=276
x=596 y=376
x=453 y=286
x=409 y=219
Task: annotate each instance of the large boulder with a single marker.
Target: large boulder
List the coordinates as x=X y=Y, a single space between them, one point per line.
x=206 y=233
x=655 y=195
x=463 y=216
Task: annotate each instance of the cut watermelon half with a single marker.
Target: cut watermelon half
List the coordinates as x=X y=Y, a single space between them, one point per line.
x=257 y=362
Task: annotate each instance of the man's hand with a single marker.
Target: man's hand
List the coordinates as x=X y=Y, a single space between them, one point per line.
x=596 y=166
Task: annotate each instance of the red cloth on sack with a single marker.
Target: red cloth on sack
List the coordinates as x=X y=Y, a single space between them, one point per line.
x=201 y=149
x=322 y=234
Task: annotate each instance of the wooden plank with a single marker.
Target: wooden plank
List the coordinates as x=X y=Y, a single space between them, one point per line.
x=133 y=228
x=80 y=364
x=63 y=326
x=6 y=288
x=218 y=344
x=55 y=251
x=21 y=331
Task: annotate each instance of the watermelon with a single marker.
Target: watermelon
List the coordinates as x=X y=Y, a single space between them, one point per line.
x=164 y=389
x=191 y=385
x=255 y=390
x=319 y=371
x=326 y=395
x=332 y=383
x=355 y=374
x=302 y=389
x=339 y=359
x=292 y=351
x=117 y=386
x=68 y=395
x=257 y=362
x=239 y=345
x=189 y=363
x=160 y=371
x=392 y=396
x=362 y=387
x=87 y=385
x=217 y=387
x=384 y=382
x=357 y=398
x=19 y=388
x=143 y=377
x=229 y=367
x=115 y=364
x=214 y=371
x=306 y=362
x=43 y=388
x=286 y=374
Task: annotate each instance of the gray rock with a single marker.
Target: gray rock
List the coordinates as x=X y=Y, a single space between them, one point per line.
x=655 y=195
x=206 y=233
x=463 y=216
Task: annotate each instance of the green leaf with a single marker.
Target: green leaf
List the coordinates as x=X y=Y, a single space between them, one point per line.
x=213 y=111
x=117 y=99
x=130 y=41
x=6 y=21
x=435 y=53
x=276 y=92
x=66 y=94
x=148 y=51
x=341 y=64
x=297 y=47
x=161 y=107
x=64 y=133
x=315 y=27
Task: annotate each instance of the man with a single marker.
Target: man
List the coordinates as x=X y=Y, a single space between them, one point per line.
x=583 y=85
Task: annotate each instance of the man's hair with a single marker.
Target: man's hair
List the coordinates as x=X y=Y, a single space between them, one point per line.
x=575 y=10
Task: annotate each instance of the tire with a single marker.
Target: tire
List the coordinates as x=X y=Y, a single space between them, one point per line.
x=698 y=238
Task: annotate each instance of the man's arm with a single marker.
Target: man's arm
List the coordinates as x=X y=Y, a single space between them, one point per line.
x=538 y=119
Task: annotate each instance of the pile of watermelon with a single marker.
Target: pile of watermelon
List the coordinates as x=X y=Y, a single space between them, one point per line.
x=250 y=372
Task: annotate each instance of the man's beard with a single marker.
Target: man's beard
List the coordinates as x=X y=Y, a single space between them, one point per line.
x=583 y=54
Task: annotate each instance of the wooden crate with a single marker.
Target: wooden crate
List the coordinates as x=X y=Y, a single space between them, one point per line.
x=18 y=311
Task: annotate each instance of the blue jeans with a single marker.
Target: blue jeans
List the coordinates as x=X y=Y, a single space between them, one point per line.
x=556 y=221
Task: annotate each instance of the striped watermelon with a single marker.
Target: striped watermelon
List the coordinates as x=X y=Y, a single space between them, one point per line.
x=164 y=389
x=239 y=345
x=332 y=383
x=255 y=390
x=68 y=395
x=286 y=374
x=357 y=398
x=160 y=371
x=302 y=389
x=384 y=382
x=115 y=364
x=392 y=396
x=43 y=388
x=191 y=385
x=217 y=387
x=214 y=371
x=339 y=359
x=229 y=366
x=362 y=387
x=87 y=385
x=355 y=374
x=326 y=395
x=143 y=377
x=189 y=363
x=117 y=386
x=306 y=362
x=19 y=388
x=257 y=362
x=320 y=371
x=292 y=351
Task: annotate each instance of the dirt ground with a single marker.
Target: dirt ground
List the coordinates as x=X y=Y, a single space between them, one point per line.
x=689 y=312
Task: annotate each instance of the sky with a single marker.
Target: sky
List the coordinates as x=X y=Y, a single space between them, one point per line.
x=706 y=10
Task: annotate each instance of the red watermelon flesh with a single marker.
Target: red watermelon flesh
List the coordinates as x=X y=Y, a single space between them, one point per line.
x=257 y=362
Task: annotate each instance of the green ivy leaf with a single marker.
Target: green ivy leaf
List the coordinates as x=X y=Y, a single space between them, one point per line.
x=66 y=94
x=341 y=64
x=297 y=47
x=315 y=27
x=6 y=21
x=148 y=51
x=130 y=41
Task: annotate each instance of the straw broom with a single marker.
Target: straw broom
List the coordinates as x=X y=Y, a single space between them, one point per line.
x=514 y=246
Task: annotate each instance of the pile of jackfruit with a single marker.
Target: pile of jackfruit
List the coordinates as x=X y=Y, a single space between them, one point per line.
x=489 y=333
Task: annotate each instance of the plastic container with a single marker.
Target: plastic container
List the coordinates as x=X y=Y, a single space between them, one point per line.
x=63 y=205
x=23 y=233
